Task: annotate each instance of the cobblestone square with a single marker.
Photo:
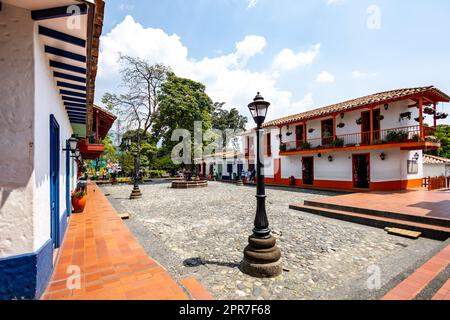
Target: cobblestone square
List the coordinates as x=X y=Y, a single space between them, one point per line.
x=202 y=232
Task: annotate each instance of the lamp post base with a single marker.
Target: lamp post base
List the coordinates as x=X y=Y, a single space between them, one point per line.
x=262 y=258
x=135 y=194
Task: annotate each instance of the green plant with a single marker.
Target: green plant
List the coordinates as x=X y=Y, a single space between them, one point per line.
x=78 y=194
x=304 y=146
x=396 y=136
x=283 y=147
x=432 y=139
x=338 y=143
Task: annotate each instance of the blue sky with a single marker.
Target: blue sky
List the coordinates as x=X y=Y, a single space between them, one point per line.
x=300 y=54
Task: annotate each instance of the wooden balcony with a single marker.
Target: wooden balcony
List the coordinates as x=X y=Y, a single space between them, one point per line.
x=405 y=138
x=90 y=151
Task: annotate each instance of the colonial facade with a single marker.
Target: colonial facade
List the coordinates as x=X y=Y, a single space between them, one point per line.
x=48 y=63
x=370 y=143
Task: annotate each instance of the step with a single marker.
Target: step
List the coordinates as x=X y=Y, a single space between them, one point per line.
x=385 y=214
x=428 y=231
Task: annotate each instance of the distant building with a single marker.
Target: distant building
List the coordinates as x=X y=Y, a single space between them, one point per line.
x=372 y=143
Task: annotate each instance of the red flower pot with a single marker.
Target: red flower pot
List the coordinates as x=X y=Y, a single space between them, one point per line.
x=78 y=204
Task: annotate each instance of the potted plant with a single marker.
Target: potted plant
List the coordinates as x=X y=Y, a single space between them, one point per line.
x=380 y=117
x=283 y=147
x=311 y=130
x=359 y=121
x=338 y=143
x=79 y=201
x=292 y=181
x=341 y=125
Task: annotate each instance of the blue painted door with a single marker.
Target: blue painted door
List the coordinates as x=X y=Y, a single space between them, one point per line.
x=68 y=203
x=54 y=181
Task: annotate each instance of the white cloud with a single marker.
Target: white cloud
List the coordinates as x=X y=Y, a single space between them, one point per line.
x=288 y=60
x=335 y=2
x=226 y=76
x=325 y=77
x=363 y=75
x=252 y=3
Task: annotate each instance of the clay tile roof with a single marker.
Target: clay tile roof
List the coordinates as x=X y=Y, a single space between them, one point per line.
x=428 y=159
x=373 y=99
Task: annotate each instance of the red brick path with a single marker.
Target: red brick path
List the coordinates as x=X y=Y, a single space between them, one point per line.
x=415 y=283
x=113 y=264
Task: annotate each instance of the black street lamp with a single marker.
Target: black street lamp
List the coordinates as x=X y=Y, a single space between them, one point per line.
x=262 y=258
x=136 y=192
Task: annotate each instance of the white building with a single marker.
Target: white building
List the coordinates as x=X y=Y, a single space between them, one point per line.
x=370 y=143
x=48 y=63
x=435 y=166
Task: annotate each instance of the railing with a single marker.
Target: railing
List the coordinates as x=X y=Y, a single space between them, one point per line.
x=385 y=136
x=436 y=183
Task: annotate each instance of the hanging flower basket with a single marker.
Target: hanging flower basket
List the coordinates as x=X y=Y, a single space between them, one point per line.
x=311 y=130
x=405 y=115
x=79 y=201
x=359 y=121
x=441 y=115
x=341 y=125
x=380 y=117
x=288 y=134
x=428 y=110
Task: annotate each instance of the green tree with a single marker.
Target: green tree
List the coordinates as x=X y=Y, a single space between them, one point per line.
x=182 y=102
x=110 y=153
x=443 y=133
x=223 y=120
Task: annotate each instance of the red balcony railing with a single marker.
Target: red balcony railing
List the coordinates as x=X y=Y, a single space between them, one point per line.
x=385 y=136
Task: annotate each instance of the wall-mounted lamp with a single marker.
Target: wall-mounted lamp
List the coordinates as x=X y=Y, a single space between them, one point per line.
x=383 y=156
x=342 y=115
x=386 y=106
x=72 y=143
x=330 y=158
x=77 y=153
x=416 y=156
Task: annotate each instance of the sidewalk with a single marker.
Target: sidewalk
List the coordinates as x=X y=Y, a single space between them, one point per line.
x=420 y=283
x=113 y=264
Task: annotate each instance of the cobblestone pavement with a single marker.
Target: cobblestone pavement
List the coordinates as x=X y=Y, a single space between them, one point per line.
x=204 y=231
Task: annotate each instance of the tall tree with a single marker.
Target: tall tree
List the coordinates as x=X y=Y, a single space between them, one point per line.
x=138 y=107
x=182 y=103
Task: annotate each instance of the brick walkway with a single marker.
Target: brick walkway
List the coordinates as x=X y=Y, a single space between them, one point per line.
x=412 y=286
x=113 y=265
x=434 y=204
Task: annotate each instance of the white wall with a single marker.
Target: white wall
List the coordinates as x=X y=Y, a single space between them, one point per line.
x=393 y=168
x=436 y=170
x=16 y=131
x=47 y=101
